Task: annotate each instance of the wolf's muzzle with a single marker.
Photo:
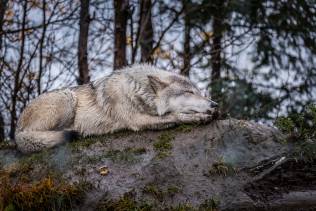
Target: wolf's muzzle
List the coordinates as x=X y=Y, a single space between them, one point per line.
x=213 y=104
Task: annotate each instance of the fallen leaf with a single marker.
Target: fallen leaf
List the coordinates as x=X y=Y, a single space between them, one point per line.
x=104 y=170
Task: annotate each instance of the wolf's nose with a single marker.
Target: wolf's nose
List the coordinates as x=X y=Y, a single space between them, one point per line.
x=213 y=104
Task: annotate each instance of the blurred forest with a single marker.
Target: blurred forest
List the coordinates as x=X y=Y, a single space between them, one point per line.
x=255 y=57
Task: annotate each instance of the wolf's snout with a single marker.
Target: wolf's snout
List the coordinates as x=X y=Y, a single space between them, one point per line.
x=213 y=104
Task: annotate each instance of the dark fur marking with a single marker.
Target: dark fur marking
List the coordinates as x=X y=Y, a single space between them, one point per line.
x=71 y=135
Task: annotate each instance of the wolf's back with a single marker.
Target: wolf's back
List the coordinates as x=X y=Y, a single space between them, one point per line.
x=34 y=141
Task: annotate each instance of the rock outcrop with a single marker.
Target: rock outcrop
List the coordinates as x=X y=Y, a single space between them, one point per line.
x=226 y=165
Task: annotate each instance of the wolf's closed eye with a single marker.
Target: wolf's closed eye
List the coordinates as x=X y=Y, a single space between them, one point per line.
x=189 y=91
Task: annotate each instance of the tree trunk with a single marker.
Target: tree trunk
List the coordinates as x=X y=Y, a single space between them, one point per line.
x=17 y=83
x=83 y=42
x=41 y=48
x=187 y=39
x=120 y=24
x=146 y=31
x=1 y=128
x=217 y=39
x=3 y=7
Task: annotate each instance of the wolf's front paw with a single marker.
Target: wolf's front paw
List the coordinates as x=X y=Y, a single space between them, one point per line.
x=194 y=118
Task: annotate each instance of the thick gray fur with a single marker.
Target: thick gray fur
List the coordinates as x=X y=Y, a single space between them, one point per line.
x=136 y=98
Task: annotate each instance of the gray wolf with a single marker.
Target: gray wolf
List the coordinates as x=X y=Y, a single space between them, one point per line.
x=135 y=98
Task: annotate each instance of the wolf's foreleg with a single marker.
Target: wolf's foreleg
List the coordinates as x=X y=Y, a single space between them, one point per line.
x=142 y=121
x=194 y=118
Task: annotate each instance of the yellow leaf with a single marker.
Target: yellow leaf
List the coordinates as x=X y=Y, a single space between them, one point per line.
x=206 y=35
x=165 y=55
x=129 y=40
x=35 y=3
x=9 y=14
x=159 y=53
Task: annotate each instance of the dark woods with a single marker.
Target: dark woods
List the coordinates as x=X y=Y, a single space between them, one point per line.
x=257 y=58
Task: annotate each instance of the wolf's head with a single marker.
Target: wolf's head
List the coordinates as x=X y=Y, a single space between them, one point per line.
x=177 y=94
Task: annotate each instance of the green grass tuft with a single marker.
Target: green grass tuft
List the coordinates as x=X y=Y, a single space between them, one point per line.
x=163 y=144
x=300 y=129
x=126 y=203
x=129 y=155
x=210 y=205
x=160 y=193
x=222 y=168
x=185 y=128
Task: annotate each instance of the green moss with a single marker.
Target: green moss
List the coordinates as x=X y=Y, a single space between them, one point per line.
x=82 y=143
x=126 y=203
x=120 y=156
x=86 y=142
x=185 y=128
x=119 y=134
x=129 y=155
x=139 y=151
x=40 y=157
x=28 y=163
x=95 y=158
x=160 y=193
x=210 y=205
x=182 y=207
x=171 y=190
x=162 y=154
x=163 y=144
x=154 y=191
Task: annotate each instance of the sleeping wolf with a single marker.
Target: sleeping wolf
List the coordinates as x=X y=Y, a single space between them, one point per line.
x=136 y=98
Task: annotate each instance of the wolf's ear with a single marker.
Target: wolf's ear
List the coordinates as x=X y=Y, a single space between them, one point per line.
x=156 y=83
